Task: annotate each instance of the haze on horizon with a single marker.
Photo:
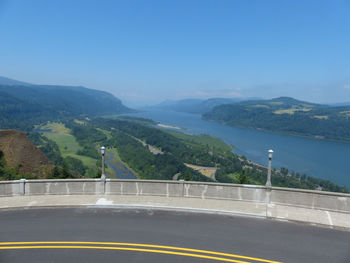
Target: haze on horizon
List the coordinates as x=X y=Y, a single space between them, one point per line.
x=145 y=52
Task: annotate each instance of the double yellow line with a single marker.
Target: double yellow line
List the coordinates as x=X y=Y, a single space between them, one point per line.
x=187 y=252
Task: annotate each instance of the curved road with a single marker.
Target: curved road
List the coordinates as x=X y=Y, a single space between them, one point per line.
x=146 y=235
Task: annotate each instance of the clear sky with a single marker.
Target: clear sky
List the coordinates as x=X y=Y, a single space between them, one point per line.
x=146 y=51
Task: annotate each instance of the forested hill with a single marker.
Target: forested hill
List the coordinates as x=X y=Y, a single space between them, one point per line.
x=21 y=105
x=286 y=115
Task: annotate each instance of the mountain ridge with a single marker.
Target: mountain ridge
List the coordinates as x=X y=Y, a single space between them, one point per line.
x=286 y=115
x=23 y=105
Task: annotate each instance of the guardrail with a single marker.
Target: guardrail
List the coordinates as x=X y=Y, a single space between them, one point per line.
x=319 y=207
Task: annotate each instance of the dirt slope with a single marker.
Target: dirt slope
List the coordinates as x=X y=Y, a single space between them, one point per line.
x=20 y=152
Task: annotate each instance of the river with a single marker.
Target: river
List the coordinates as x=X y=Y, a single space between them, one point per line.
x=319 y=158
x=121 y=172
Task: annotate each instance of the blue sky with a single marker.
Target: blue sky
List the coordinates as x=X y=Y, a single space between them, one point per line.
x=148 y=51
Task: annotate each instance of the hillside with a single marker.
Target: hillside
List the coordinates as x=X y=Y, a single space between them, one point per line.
x=286 y=115
x=24 y=105
x=180 y=155
x=20 y=153
x=149 y=153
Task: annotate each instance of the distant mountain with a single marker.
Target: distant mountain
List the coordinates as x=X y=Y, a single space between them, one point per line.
x=185 y=105
x=197 y=106
x=11 y=82
x=173 y=104
x=286 y=115
x=21 y=105
x=209 y=104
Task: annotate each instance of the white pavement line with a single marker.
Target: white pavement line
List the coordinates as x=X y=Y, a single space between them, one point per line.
x=329 y=218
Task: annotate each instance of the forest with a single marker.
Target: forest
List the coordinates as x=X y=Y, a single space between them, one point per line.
x=286 y=115
x=125 y=135
x=130 y=137
x=21 y=107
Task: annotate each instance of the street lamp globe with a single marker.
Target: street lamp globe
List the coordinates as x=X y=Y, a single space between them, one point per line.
x=270 y=154
x=103 y=175
x=268 y=181
x=103 y=149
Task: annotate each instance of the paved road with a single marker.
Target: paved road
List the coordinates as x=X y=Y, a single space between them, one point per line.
x=241 y=236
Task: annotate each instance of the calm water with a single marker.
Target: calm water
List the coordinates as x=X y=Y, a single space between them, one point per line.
x=325 y=159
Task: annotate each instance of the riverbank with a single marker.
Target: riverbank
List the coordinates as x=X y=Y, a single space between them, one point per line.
x=169 y=126
x=299 y=154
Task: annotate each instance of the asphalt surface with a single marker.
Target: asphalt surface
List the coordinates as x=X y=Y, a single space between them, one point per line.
x=250 y=237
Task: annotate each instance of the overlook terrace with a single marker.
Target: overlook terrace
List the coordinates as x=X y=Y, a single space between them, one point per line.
x=315 y=207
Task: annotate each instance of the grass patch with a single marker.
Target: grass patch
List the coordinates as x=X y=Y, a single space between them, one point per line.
x=321 y=117
x=67 y=143
x=291 y=111
x=206 y=171
x=56 y=127
x=261 y=106
x=79 y=122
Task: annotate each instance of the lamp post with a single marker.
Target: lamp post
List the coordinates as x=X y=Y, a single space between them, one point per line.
x=268 y=182
x=103 y=150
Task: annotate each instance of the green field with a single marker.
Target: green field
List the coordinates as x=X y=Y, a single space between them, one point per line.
x=69 y=146
x=67 y=143
x=291 y=111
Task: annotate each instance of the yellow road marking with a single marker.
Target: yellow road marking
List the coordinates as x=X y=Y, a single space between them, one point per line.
x=130 y=249
x=129 y=244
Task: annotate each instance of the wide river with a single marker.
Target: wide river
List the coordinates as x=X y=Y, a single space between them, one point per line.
x=325 y=159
